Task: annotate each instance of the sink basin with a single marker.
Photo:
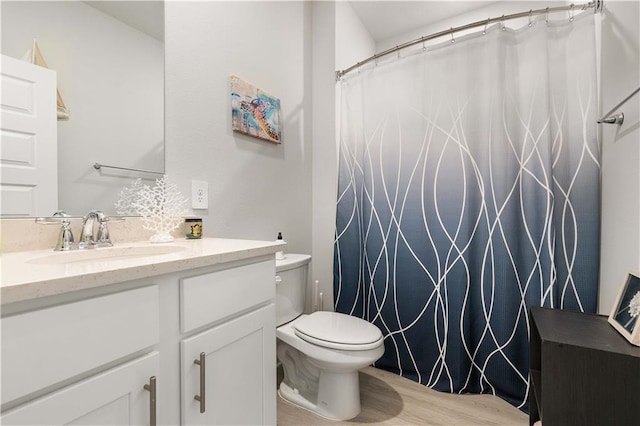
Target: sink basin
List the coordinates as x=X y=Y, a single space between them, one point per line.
x=104 y=254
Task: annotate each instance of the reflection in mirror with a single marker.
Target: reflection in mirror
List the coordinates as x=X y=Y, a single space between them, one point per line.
x=109 y=60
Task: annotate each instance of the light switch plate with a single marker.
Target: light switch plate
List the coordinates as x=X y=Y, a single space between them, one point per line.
x=199 y=194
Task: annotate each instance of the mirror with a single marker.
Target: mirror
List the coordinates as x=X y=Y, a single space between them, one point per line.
x=109 y=60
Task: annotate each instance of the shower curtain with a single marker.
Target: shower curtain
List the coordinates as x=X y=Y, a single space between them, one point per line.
x=469 y=191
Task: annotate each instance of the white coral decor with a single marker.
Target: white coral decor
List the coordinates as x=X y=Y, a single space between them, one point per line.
x=161 y=208
x=128 y=194
x=634 y=305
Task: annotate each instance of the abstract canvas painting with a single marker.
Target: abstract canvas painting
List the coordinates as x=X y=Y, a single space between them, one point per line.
x=254 y=112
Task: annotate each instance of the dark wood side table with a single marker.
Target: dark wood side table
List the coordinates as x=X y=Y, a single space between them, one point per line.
x=582 y=371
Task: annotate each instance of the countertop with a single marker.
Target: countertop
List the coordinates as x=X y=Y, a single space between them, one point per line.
x=39 y=273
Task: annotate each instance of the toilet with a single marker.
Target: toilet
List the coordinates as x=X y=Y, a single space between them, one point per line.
x=322 y=352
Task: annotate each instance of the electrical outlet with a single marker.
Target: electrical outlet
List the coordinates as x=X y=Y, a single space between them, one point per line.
x=199 y=194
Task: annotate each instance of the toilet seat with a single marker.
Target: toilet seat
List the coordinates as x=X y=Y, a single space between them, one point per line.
x=338 y=331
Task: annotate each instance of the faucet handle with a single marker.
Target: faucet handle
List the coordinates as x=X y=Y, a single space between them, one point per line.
x=103 y=239
x=65 y=237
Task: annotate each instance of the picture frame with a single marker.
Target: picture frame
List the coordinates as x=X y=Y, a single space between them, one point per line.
x=625 y=315
x=255 y=112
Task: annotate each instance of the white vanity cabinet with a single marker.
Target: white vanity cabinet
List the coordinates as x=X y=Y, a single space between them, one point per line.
x=229 y=368
x=69 y=348
x=94 y=356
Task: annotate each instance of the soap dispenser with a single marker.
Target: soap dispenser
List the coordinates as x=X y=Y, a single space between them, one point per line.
x=280 y=254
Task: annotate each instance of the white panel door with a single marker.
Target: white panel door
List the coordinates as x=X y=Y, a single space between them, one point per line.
x=28 y=139
x=240 y=372
x=115 y=397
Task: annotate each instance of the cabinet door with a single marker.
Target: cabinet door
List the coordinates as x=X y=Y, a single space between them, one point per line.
x=115 y=397
x=240 y=372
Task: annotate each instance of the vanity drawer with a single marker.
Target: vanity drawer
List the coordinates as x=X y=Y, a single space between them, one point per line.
x=46 y=346
x=210 y=297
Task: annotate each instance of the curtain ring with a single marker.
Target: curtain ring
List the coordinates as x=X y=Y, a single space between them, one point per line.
x=571 y=12
x=453 y=40
x=502 y=23
x=484 y=32
x=546 y=19
x=398 y=51
x=424 y=48
x=530 y=13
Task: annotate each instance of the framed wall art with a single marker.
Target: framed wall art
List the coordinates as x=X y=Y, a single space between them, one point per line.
x=254 y=112
x=625 y=316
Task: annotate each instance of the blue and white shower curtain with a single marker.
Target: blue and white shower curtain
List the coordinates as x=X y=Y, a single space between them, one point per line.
x=469 y=190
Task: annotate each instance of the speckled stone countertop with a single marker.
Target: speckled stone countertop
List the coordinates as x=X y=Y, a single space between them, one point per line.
x=39 y=273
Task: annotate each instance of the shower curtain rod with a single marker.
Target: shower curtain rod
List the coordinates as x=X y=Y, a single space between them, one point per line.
x=596 y=4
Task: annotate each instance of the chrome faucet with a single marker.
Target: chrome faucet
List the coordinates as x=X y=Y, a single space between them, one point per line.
x=65 y=240
x=65 y=237
x=89 y=237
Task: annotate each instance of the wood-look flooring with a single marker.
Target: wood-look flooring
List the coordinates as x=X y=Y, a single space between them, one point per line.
x=388 y=399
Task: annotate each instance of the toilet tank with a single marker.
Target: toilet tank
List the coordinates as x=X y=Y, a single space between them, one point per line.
x=291 y=285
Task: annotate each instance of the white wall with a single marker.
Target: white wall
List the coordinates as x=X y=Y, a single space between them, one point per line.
x=256 y=188
x=111 y=77
x=353 y=41
x=620 y=240
x=339 y=39
x=324 y=166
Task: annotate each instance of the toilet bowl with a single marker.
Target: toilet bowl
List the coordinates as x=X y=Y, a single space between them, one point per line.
x=322 y=352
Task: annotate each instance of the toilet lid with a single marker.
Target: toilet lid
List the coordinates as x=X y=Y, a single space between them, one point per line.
x=338 y=331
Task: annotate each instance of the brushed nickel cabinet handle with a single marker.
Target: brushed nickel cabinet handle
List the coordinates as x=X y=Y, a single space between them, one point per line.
x=151 y=387
x=201 y=398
